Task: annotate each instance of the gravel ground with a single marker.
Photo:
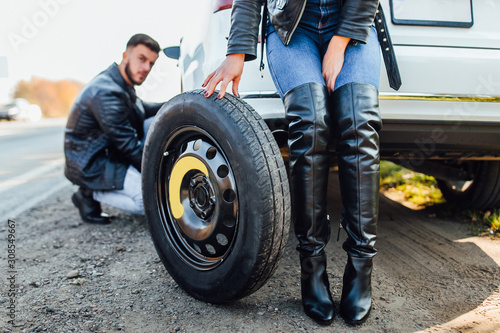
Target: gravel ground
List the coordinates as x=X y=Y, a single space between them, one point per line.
x=429 y=275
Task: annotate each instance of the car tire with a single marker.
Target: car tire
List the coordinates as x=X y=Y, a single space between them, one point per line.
x=483 y=191
x=216 y=196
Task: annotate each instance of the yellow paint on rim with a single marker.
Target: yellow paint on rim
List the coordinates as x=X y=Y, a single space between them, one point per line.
x=179 y=170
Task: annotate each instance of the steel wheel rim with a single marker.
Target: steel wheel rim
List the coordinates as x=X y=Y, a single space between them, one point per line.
x=200 y=222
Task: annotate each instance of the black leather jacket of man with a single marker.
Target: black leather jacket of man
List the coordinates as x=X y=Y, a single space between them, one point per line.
x=104 y=132
x=356 y=18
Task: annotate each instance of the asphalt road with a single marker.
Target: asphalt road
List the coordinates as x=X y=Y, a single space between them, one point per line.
x=430 y=274
x=31 y=167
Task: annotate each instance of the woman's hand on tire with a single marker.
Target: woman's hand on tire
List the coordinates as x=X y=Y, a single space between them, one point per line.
x=229 y=71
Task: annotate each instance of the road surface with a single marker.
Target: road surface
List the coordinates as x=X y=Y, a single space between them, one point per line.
x=430 y=275
x=31 y=167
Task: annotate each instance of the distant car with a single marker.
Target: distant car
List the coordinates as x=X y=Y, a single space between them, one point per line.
x=215 y=185
x=20 y=109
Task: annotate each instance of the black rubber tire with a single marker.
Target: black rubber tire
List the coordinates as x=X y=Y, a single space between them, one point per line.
x=257 y=207
x=483 y=191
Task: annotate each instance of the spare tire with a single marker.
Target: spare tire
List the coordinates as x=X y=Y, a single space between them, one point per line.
x=216 y=196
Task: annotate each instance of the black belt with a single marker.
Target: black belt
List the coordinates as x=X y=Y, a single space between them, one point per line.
x=263 y=37
x=391 y=64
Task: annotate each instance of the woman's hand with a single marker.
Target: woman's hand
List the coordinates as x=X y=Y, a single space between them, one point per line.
x=334 y=60
x=230 y=70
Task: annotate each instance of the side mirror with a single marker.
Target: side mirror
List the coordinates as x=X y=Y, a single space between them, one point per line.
x=172 y=52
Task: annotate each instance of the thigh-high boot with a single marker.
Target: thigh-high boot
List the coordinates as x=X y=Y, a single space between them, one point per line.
x=309 y=134
x=356 y=116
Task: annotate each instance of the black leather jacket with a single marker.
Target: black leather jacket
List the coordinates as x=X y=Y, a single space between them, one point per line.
x=356 y=18
x=104 y=132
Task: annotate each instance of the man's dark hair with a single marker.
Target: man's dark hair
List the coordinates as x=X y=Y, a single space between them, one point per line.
x=144 y=40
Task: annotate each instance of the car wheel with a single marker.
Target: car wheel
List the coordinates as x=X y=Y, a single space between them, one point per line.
x=216 y=196
x=483 y=191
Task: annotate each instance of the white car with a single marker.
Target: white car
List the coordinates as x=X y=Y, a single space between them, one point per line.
x=20 y=109
x=215 y=186
x=445 y=119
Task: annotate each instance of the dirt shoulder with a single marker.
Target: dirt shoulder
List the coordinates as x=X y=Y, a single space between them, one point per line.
x=429 y=276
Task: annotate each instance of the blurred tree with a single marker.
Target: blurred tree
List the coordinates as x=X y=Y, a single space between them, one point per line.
x=54 y=97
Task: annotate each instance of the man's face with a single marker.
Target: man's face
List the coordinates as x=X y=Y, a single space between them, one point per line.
x=139 y=61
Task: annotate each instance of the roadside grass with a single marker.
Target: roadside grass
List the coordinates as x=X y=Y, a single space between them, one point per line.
x=484 y=223
x=422 y=191
x=419 y=189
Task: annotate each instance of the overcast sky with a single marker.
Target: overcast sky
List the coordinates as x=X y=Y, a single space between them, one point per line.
x=76 y=39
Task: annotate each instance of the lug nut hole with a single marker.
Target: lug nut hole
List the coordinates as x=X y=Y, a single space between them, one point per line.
x=211 y=152
x=229 y=195
x=222 y=171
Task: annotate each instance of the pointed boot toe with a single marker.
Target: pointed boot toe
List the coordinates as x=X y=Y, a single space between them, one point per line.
x=356 y=300
x=316 y=295
x=323 y=314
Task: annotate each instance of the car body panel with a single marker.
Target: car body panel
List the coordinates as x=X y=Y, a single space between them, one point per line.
x=450 y=75
x=484 y=32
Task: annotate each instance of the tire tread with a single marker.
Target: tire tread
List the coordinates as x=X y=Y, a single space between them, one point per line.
x=274 y=197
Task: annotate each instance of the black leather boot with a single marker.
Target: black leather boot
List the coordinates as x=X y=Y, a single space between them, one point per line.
x=90 y=210
x=357 y=122
x=316 y=297
x=356 y=300
x=308 y=138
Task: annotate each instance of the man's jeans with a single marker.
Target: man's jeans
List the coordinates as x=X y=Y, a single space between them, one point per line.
x=301 y=61
x=130 y=198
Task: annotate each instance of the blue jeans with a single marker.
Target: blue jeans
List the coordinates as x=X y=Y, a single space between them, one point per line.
x=129 y=199
x=300 y=61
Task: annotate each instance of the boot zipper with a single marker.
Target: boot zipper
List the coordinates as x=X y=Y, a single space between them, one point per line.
x=340 y=227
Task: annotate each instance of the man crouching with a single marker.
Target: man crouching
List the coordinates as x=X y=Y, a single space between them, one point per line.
x=105 y=134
